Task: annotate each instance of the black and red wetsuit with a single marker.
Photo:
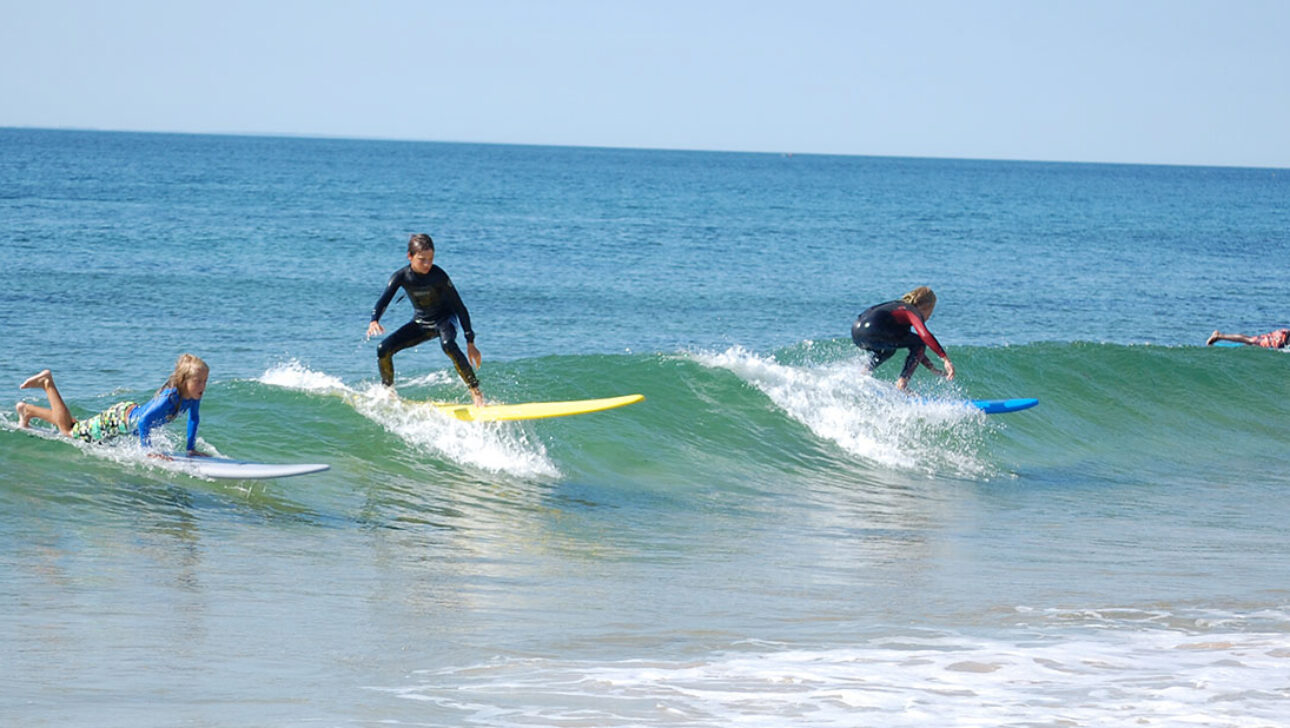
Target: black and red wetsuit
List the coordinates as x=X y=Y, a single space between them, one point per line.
x=884 y=328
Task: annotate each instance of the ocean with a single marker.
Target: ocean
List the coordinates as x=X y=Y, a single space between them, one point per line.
x=772 y=538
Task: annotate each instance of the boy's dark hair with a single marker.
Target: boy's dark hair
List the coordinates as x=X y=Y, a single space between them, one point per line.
x=419 y=242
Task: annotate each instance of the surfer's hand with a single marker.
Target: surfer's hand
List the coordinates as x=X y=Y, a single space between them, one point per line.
x=375 y=329
x=902 y=383
x=473 y=354
x=949 y=369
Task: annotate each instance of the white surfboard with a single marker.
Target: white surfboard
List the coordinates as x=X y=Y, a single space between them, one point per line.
x=204 y=467
x=228 y=469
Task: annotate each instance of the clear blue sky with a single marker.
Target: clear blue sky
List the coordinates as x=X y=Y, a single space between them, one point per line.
x=1157 y=81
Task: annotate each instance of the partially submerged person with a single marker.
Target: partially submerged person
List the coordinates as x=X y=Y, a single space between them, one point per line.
x=1278 y=339
x=902 y=324
x=438 y=309
x=182 y=392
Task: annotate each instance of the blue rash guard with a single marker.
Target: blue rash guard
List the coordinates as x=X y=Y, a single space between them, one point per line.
x=160 y=410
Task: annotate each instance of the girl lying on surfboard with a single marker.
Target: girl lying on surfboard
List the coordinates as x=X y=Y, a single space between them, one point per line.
x=182 y=392
x=437 y=305
x=884 y=328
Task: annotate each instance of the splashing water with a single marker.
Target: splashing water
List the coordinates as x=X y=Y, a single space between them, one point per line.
x=865 y=416
x=494 y=447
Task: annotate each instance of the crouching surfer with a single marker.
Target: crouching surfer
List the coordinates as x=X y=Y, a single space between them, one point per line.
x=883 y=329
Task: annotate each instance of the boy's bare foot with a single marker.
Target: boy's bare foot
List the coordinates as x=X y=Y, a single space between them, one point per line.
x=1212 y=338
x=477 y=396
x=23 y=417
x=41 y=381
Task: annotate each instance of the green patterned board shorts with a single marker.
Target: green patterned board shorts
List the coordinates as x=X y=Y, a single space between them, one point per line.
x=111 y=422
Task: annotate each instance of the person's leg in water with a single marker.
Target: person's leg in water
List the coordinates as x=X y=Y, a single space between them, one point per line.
x=875 y=352
x=1220 y=336
x=448 y=339
x=877 y=356
x=408 y=335
x=56 y=413
x=878 y=351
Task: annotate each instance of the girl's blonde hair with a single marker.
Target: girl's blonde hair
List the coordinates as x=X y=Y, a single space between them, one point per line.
x=920 y=296
x=187 y=367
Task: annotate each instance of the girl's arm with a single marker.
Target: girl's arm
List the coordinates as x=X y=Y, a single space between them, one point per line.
x=913 y=319
x=906 y=316
x=193 y=420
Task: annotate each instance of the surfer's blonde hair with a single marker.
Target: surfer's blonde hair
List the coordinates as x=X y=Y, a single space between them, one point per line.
x=920 y=296
x=186 y=367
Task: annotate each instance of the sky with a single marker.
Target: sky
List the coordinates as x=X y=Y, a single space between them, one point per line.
x=1140 y=81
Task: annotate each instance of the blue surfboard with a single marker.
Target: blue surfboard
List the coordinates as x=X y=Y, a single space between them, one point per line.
x=1001 y=406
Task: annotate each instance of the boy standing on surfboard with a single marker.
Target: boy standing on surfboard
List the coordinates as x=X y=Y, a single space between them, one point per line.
x=437 y=306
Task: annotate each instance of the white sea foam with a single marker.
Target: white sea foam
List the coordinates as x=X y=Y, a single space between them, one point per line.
x=1124 y=677
x=494 y=447
x=294 y=375
x=864 y=416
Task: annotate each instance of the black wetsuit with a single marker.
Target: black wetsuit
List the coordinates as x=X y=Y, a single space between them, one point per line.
x=437 y=305
x=884 y=328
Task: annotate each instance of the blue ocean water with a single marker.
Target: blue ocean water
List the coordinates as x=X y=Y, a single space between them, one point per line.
x=771 y=538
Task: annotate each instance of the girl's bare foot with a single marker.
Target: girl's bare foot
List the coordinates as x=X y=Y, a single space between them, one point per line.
x=38 y=381
x=1212 y=338
x=23 y=417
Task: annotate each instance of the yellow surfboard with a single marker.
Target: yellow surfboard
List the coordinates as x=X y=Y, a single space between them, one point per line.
x=533 y=410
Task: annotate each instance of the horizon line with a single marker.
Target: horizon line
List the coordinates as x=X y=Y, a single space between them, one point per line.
x=781 y=153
